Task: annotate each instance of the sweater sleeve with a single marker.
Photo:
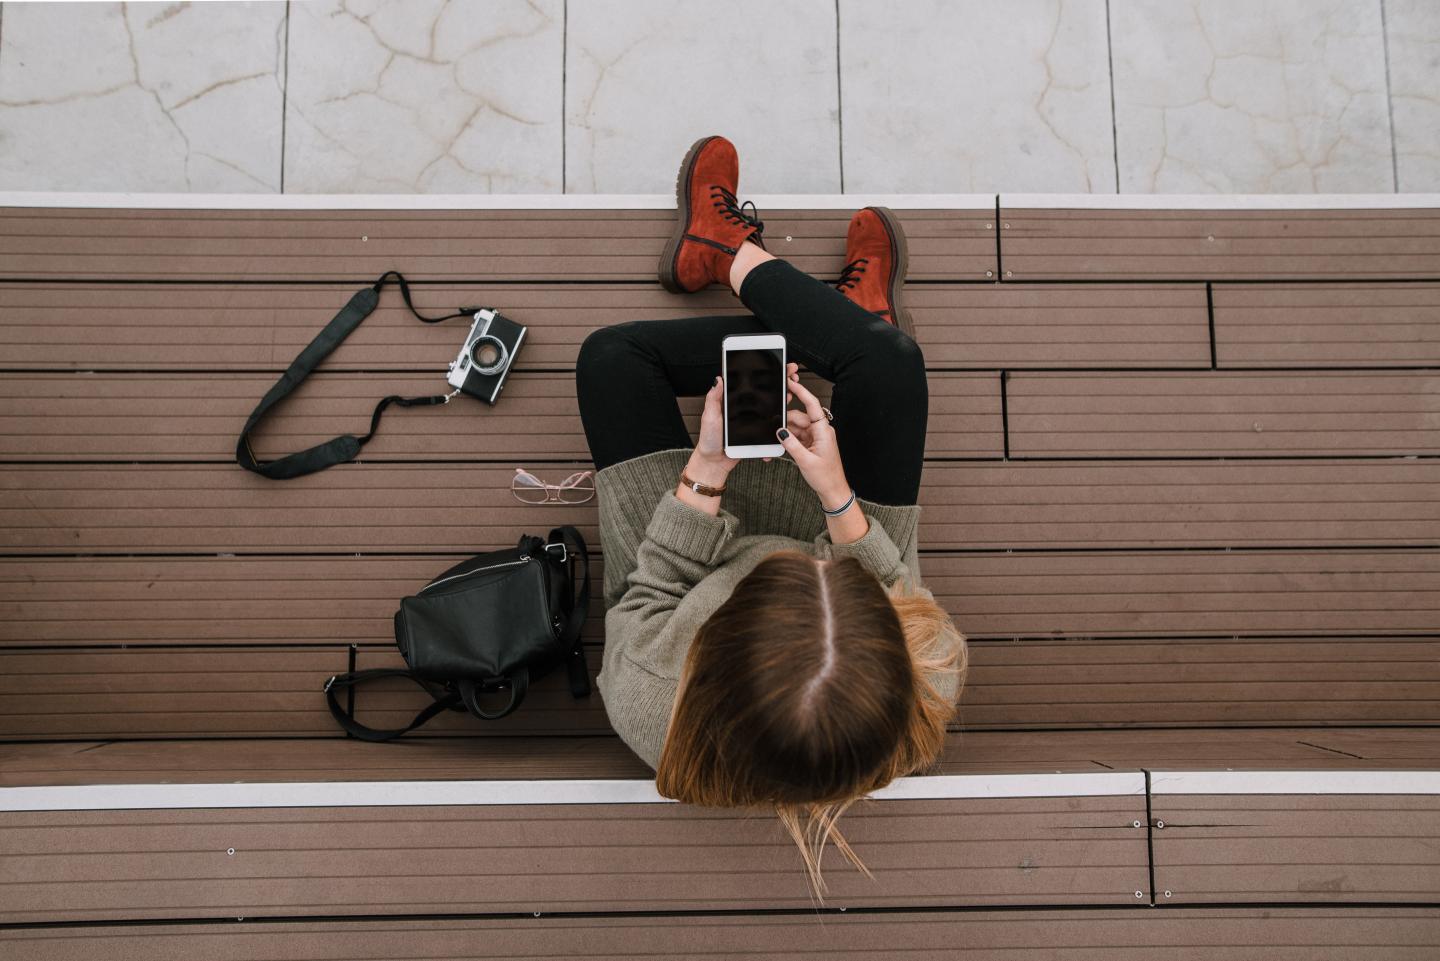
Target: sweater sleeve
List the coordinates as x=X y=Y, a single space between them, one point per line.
x=876 y=551
x=681 y=546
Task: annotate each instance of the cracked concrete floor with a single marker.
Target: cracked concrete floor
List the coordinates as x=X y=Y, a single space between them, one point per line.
x=822 y=96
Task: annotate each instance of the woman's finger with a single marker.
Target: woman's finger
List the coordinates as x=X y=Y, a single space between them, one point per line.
x=713 y=396
x=799 y=423
x=811 y=402
x=796 y=450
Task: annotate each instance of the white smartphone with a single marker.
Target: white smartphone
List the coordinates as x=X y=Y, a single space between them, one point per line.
x=753 y=367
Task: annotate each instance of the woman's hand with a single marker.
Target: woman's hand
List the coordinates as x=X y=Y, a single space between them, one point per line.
x=794 y=419
x=811 y=444
x=708 y=464
x=711 y=446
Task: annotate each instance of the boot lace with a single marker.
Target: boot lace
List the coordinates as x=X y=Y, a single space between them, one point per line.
x=725 y=202
x=850 y=276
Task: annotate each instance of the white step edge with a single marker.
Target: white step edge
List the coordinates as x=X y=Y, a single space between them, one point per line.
x=1295 y=782
x=1218 y=201
x=115 y=797
x=764 y=202
x=976 y=202
x=124 y=797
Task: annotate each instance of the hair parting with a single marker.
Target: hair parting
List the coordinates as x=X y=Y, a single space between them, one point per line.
x=811 y=687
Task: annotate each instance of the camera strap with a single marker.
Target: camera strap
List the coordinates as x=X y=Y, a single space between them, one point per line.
x=344 y=448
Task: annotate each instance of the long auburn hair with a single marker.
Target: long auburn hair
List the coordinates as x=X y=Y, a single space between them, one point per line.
x=807 y=690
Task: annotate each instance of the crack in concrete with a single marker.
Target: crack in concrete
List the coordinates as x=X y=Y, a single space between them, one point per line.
x=1050 y=84
x=135 y=69
x=1291 y=133
x=483 y=101
x=584 y=123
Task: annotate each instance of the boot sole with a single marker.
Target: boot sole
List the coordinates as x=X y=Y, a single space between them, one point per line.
x=902 y=266
x=670 y=256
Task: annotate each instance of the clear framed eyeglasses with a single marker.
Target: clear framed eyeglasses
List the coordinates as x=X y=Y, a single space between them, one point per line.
x=578 y=488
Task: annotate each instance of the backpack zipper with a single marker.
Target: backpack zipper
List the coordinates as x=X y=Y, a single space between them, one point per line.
x=478 y=570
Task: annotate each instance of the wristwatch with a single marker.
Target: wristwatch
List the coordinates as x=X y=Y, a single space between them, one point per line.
x=700 y=488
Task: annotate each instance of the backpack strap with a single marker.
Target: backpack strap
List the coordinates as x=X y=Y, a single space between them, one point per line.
x=519 y=687
x=576 y=610
x=443 y=702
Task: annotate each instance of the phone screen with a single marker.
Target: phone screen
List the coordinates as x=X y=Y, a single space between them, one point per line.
x=755 y=396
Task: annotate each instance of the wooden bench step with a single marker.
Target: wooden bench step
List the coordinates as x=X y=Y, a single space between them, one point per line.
x=183 y=692
x=1308 y=837
x=548 y=757
x=262 y=326
x=329 y=245
x=459 y=508
x=992 y=595
x=258 y=326
x=1043 y=242
x=1080 y=595
x=591 y=846
x=1326 y=325
x=1223 y=934
x=296 y=849
x=168 y=417
x=147 y=417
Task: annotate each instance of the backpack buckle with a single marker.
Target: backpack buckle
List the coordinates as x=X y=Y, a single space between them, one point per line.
x=564 y=554
x=330 y=683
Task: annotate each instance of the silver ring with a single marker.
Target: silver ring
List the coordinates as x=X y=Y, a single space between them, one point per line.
x=828 y=416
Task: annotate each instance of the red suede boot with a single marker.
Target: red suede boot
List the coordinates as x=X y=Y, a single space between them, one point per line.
x=710 y=226
x=876 y=261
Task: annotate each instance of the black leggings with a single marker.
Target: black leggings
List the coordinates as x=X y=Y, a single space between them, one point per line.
x=628 y=376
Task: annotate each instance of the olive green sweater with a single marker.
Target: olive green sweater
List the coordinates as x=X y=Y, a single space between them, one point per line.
x=668 y=566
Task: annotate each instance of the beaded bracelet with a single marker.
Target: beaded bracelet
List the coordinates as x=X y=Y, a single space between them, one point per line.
x=842 y=508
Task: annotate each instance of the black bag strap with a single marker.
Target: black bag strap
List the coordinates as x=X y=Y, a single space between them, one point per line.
x=576 y=612
x=519 y=687
x=344 y=448
x=443 y=702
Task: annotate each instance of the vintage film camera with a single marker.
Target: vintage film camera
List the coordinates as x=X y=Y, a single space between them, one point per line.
x=490 y=348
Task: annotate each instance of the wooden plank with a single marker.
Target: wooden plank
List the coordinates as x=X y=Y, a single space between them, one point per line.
x=1326 y=325
x=520 y=757
x=142 y=417
x=1237 y=848
x=458 y=508
x=169 y=692
x=1154 y=682
x=438 y=507
x=1271 y=749
x=1364 y=596
x=1272 y=934
x=292 y=862
x=258 y=326
x=1071 y=244
x=192 y=417
x=1392 y=748
x=1223 y=413
x=318 y=759
x=317 y=601
x=161 y=692
x=1014 y=326
x=1150 y=594
x=240 y=327
x=360 y=245
x=1164 y=682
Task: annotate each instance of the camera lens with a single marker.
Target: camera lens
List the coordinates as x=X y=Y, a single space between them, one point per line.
x=488 y=353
